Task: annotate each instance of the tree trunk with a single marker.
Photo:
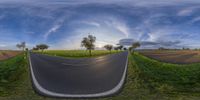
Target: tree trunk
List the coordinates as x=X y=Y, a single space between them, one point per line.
x=90 y=52
x=132 y=51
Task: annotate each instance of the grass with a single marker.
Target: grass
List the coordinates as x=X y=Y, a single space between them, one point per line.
x=147 y=79
x=10 y=71
x=169 y=78
x=76 y=53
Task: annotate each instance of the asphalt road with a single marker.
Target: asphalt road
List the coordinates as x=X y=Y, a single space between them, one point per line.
x=84 y=77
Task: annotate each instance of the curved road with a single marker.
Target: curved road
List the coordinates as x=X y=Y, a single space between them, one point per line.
x=85 y=77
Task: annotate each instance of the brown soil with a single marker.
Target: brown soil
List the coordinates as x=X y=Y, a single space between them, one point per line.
x=8 y=54
x=178 y=57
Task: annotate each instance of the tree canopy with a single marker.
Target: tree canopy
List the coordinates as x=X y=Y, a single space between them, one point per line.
x=108 y=47
x=88 y=42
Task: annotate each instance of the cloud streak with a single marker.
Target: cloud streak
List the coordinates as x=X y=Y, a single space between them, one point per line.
x=52 y=30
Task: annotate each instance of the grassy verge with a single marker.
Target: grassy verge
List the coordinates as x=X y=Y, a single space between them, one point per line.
x=10 y=71
x=77 y=53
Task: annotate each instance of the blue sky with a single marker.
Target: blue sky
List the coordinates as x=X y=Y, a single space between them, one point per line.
x=63 y=23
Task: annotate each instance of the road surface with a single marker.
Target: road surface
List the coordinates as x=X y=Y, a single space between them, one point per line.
x=84 y=77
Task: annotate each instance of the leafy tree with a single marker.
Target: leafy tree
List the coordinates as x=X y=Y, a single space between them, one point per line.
x=134 y=46
x=35 y=48
x=120 y=47
x=161 y=48
x=21 y=45
x=88 y=43
x=116 y=48
x=42 y=47
x=108 y=47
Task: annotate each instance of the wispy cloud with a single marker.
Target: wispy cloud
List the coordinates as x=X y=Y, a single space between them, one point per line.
x=52 y=30
x=2 y=45
x=196 y=19
x=64 y=23
x=118 y=25
x=55 y=27
x=186 y=11
x=123 y=28
x=93 y=23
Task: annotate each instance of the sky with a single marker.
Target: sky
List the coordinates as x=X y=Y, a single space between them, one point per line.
x=63 y=23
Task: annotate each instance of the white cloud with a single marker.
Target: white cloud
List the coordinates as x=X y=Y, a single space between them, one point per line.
x=123 y=28
x=55 y=27
x=185 y=12
x=2 y=45
x=96 y=24
x=118 y=25
x=159 y=35
x=195 y=19
x=52 y=30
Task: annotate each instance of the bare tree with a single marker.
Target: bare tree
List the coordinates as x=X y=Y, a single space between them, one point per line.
x=88 y=43
x=108 y=47
x=21 y=45
x=134 y=46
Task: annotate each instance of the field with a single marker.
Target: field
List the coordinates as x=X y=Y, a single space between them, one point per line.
x=172 y=56
x=147 y=79
x=5 y=54
x=77 y=53
x=10 y=71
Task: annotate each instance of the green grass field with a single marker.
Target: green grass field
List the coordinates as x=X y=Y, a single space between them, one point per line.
x=77 y=53
x=147 y=79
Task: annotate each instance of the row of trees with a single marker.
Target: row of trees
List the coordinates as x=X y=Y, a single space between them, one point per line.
x=42 y=47
x=88 y=43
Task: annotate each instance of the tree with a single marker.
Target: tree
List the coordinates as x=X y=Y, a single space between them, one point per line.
x=21 y=45
x=88 y=43
x=134 y=46
x=108 y=47
x=125 y=49
x=35 y=48
x=161 y=48
x=116 y=48
x=42 y=47
x=120 y=47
